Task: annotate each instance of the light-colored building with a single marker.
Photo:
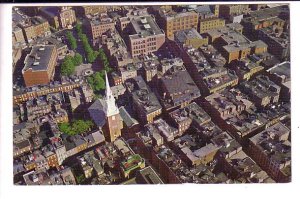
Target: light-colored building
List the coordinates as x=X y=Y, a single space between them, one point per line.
x=171 y=21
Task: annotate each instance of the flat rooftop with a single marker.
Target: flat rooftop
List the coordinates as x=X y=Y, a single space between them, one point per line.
x=184 y=35
x=39 y=57
x=144 y=26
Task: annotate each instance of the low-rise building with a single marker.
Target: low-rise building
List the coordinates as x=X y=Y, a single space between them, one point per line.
x=271 y=149
x=177 y=88
x=148 y=176
x=281 y=75
x=116 y=48
x=34 y=27
x=246 y=68
x=264 y=18
x=191 y=115
x=192 y=150
x=190 y=37
x=145 y=102
x=278 y=39
x=209 y=78
x=229 y=10
x=262 y=90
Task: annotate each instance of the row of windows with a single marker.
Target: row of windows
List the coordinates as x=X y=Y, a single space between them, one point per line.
x=151 y=44
x=139 y=42
x=139 y=51
x=186 y=18
x=138 y=47
x=182 y=23
x=151 y=39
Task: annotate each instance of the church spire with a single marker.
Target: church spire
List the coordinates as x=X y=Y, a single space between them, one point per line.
x=111 y=108
x=108 y=92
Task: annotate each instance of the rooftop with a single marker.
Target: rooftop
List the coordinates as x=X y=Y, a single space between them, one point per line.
x=261 y=87
x=218 y=32
x=282 y=70
x=144 y=26
x=268 y=13
x=213 y=56
x=179 y=87
x=192 y=111
x=280 y=37
x=132 y=162
x=100 y=20
x=184 y=35
x=148 y=176
x=147 y=100
x=39 y=58
x=229 y=102
x=171 y=14
x=274 y=142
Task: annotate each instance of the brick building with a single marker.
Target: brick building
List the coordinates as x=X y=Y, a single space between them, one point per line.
x=144 y=36
x=40 y=65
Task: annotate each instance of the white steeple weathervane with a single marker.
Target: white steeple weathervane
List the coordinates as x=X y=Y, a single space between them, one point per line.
x=110 y=103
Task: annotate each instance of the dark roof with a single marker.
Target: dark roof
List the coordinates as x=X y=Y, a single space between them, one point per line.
x=129 y=121
x=281 y=69
x=23 y=144
x=179 y=81
x=39 y=57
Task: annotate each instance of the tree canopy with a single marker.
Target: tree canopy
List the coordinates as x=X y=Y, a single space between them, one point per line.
x=90 y=53
x=77 y=59
x=96 y=81
x=67 y=67
x=104 y=60
x=69 y=64
x=72 y=41
x=75 y=127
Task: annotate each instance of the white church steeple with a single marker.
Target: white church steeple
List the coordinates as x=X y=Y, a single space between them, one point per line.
x=110 y=108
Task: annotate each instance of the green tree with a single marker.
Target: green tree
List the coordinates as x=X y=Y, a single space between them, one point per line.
x=66 y=128
x=77 y=59
x=76 y=127
x=104 y=60
x=78 y=28
x=81 y=126
x=67 y=67
x=72 y=41
x=96 y=81
x=90 y=53
x=80 y=179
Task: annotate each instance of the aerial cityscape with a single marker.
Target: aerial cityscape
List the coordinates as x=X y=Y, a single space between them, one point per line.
x=151 y=94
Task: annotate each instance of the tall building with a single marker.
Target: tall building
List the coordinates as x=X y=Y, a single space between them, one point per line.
x=40 y=65
x=171 y=21
x=98 y=25
x=210 y=24
x=145 y=36
x=230 y=10
x=106 y=115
